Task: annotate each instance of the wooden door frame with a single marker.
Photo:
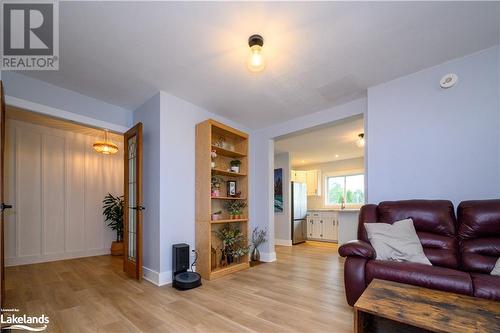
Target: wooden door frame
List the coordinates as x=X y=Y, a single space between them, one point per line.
x=134 y=270
x=2 y=194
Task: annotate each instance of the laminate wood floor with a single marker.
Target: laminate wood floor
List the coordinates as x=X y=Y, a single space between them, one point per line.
x=302 y=292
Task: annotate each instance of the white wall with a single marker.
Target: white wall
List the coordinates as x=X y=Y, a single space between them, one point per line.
x=38 y=96
x=149 y=115
x=262 y=162
x=282 y=221
x=334 y=167
x=433 y=143
x=56 y=183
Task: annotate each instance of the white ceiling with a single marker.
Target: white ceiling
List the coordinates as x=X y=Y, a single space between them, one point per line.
x=319 y=54
x=331 y=143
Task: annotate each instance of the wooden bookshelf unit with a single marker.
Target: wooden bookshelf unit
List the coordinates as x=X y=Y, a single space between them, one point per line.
x=229 y=144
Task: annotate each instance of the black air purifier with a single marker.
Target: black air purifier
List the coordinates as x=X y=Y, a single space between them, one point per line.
x=183 y=279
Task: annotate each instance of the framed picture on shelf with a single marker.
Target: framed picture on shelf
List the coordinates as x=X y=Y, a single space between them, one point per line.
x=231 y=188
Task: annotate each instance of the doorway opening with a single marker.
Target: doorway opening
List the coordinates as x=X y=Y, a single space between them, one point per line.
x=56 y=184
x=319 y=184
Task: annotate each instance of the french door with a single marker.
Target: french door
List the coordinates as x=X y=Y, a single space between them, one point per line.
x=133 y=207
x=2 y=207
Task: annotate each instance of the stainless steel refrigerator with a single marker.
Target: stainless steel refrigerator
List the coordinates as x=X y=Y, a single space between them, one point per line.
x=299 y=211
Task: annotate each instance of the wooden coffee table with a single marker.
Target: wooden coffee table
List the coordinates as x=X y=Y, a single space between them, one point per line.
x=387 y=306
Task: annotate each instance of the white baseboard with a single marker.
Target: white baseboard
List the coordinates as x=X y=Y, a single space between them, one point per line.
x=268 y=256
x=283 y=242
x=158 y=279
x=36 y=259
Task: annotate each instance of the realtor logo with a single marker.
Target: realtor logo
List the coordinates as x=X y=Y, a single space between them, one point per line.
x=30 y=35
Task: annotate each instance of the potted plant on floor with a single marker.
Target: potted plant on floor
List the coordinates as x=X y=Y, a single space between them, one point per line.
x=113 y=215
x=258 y=238
x=235 y=165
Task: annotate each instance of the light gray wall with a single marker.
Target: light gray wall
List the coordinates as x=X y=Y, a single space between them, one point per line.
x=36 y=91
x=428 y=142
x=282 y=227
x=349 y=165
x=149 y=115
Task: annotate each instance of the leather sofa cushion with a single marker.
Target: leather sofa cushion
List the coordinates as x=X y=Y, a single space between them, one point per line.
x=480 y=255
x=433 y=277
x=434 y=221
x=479 y=234
x=486 y=286
x=479 y=218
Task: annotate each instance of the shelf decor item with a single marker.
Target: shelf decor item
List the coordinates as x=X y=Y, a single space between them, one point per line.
x=216 y=215
x=113 y=214
x=213 y=195
x=233 y=243
x=213 y=156
x=235 y=208
x=231 y=188
x=235 y=166
x=216 y=182
x=258 y=238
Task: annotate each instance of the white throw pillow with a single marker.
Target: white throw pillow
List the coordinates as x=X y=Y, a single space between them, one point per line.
x=396 y=242
x=496 y=269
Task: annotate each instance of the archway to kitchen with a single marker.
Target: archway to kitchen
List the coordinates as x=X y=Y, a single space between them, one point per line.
x=319 y=183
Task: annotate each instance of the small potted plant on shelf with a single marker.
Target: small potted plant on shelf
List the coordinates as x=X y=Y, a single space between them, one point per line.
x=216 y=215
x=113 y=215
x=240 y=205
x=258 y=238
x=239 y=253
x=215 y=185
x=235 y=166
x=232 y=240
x=235 y=208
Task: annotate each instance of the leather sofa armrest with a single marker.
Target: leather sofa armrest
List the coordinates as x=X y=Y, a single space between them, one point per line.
x=357 y=248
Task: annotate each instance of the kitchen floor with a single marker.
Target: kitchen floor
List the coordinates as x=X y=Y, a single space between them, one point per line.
x=301 y=292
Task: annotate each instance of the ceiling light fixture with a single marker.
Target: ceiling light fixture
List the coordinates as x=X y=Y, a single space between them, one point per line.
x=256 y=62
x=105 y=147
x=361 y=140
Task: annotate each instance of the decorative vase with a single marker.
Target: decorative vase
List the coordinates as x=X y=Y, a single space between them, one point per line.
x=117 y=248
x=212 y=164
x=229 y=257
x=215 y=193
x=235 y=169
x=255 y=254
x=215 y=217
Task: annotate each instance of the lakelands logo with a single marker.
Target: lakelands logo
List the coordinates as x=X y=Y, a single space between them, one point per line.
x=30 y=35
x=13 y=321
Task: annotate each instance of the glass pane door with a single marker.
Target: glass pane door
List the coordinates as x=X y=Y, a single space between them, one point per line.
x=133 y=211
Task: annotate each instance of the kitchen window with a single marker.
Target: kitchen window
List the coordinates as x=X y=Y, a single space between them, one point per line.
x=348 y=190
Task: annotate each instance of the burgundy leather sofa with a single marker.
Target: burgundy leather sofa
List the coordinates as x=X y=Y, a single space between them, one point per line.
x=463 y=249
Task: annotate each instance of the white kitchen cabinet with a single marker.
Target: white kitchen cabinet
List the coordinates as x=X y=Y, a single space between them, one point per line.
x=317 y=230
x=310 y=223
x=299 y=176
x=322 y=226
x=313 y=181
x=330 y=229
